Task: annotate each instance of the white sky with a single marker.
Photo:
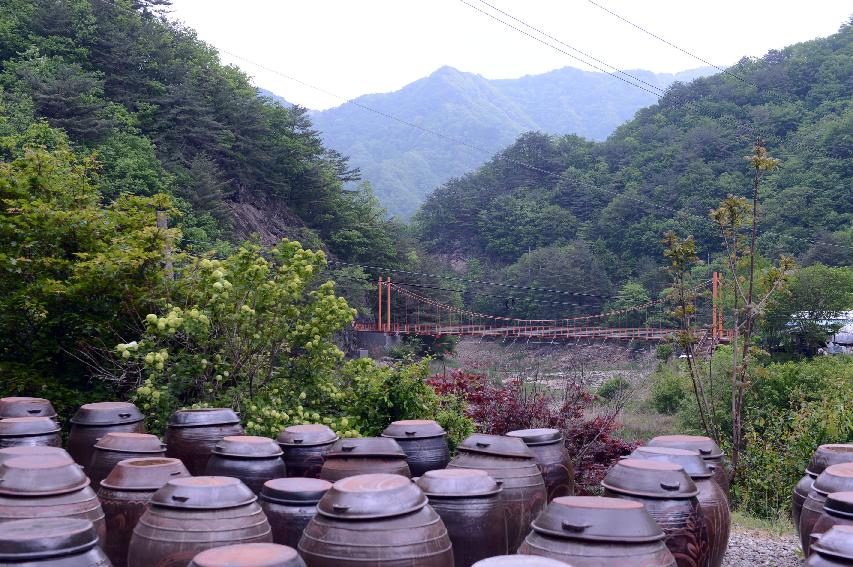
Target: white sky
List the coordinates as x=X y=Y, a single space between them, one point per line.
x=355 y=47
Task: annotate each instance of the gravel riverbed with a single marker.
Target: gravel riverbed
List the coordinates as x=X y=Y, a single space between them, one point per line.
x=755 y=547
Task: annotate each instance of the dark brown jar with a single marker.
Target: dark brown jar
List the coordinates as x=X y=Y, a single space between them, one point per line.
x=552 y=457
x=113 y=448
x=46 y=486
x=94 y=421
x=509 y=460
x=33 y=431
x=304 y=447
x=254 y=460
x=289 y=504
x=125 y=493
x=593 y=531
x=469 y=503
x=375 y=519
x=670 y=498
x=188 y=515
x=21 y=406
x=712 y=500
x=193 y=433
x=519 y=560
x=364 y=455
x=706 y=446
x=31 y=451
x=824 y=456
x=833 y=548
x=50 y=542
x=834 y=478
x=837 y=511
x=423 y=440
x=249 y=555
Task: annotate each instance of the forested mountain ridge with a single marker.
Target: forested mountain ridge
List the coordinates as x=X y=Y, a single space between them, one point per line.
x=604 y=206
x=161 y=114
x=404 y=164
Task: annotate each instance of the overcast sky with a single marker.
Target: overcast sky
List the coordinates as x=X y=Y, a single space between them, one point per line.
x=355 y=47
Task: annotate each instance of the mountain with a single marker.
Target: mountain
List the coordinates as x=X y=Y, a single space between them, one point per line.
x=404 y=164
x=548 y=204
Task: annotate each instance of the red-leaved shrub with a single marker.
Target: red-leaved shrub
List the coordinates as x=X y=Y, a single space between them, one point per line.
x=517 y=404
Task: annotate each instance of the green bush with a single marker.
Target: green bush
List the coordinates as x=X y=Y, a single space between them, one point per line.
x=613 y=387
x=664 y=351
x=669 y=390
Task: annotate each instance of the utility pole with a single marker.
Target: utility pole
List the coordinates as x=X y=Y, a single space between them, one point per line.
x=379 y=313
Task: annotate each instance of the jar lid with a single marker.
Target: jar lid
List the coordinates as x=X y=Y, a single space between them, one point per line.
x=366 y=447
x=495 y=445
x=307 y=435
x=130 y=443
x=836 y=541
x=23 y=406
x=203 y=493
x=249 y=555
x=654 y=479
x=458 y=483
x=705 y=445
x=248 y=446
x=27 y=426
x=533 y=437
x=835 y=478
x=598 y=518
x=203 y=417
x=413 y=429
x=30 y=451
x=367 y=496
x=107 y=413
x=839 y=504
x=42 y=475
x=144 y=474
x=828 y=455
x=22 y=541
x=519 y=560
x=295 y=490
x=691 y=461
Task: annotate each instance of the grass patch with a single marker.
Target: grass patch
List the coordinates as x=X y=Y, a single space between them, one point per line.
x=776 y=527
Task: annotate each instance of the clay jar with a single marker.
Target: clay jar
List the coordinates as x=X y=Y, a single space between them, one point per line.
x=115 y=447
x=20 y=406
x=375 y=519
x=552 y=457
x=834 y=478
x=31 y=451
x=519 y=560
x=669 y=496
x=47 y=486
x=50 y=542
x=424 y=442
x=712 y=501
x=189 y=515
x=249 y=555
x=125 y=493
x=304 y=447
x=509 y=460
x=254 y=460
x=94 y=421
x=593 y=531
x=837 y=511
x=469 y=503
x=34 y=431
x=289 y=504
x=365 y=455
x=706 y=446
x=824 y=456
x=833 y=548
x=193 y=433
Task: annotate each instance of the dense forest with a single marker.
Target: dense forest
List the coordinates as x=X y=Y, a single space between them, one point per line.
x=404 y=164
x=161 y=114
x=565 y=212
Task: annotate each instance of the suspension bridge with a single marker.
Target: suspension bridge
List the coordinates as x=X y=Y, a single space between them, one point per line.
x=403 y=311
